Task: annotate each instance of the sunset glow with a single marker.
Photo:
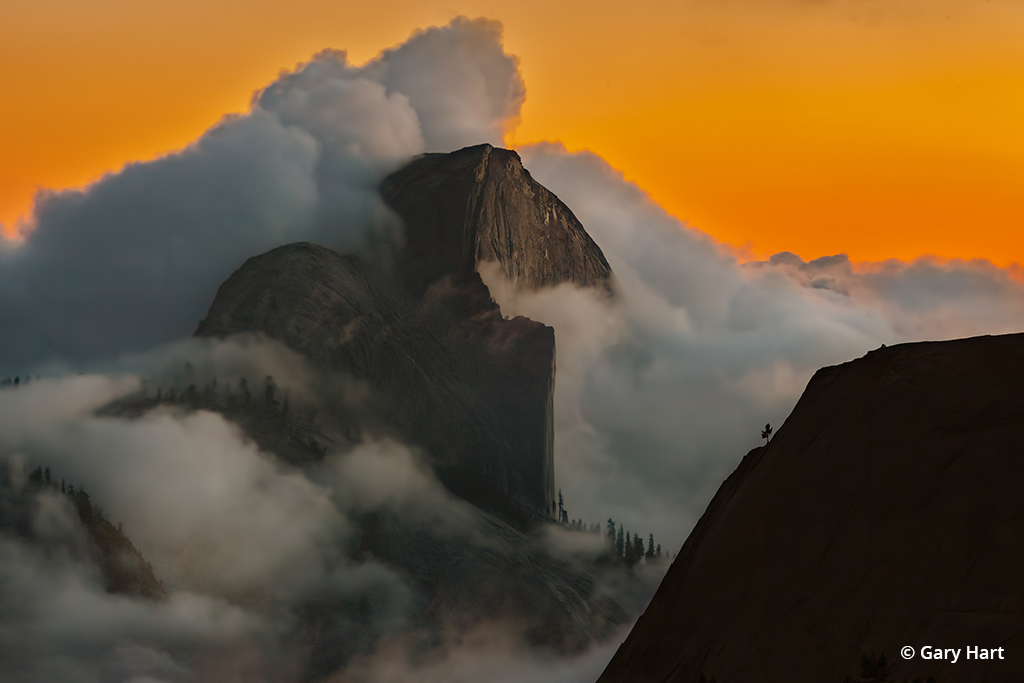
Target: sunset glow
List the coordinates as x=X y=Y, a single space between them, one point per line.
x=876 y=129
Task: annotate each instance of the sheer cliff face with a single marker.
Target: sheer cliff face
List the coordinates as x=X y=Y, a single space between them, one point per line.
x=885 y=513
x=448 y=373
x=478 y=205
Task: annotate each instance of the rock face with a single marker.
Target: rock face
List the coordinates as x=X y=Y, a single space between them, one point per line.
x=887 y=512
x=479 y=204
x=448 y=373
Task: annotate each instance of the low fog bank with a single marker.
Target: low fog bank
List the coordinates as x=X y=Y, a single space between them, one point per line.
x=271 y=571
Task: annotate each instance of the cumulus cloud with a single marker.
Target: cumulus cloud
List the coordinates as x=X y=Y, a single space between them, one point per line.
x=135 y=259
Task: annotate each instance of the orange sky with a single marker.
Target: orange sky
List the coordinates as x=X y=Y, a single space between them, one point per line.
x=879 y=128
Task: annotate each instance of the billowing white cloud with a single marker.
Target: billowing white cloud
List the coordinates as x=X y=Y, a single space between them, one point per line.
x=460 y=81
x=135 y=259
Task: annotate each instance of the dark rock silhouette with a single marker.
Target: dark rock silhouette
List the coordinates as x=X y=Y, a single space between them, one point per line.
x=886 y=512
x=479 y=204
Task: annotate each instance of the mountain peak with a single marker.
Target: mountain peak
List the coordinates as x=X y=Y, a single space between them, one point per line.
x=477 y=205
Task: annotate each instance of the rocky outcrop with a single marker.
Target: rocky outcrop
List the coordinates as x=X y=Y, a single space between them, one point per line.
x=885 y=513
x=478 y=205
x=448 y=373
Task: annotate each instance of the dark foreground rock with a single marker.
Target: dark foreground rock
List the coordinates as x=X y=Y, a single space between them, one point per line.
x=887 y=512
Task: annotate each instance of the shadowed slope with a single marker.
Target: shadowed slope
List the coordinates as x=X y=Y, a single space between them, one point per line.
x=886 y=512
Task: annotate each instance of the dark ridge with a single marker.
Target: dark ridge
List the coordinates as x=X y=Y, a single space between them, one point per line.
x=886 y=512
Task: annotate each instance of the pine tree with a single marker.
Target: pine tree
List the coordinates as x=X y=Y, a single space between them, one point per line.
x=650 y=547
x=620 y=543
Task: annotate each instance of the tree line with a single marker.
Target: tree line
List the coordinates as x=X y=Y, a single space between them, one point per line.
x=622 y=543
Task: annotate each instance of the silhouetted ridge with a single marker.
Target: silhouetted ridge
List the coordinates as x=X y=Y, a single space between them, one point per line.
x=886 y=512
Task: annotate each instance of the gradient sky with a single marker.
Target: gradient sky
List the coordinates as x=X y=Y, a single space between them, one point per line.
x=875 y=128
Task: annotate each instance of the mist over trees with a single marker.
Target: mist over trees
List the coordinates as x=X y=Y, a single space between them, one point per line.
x=623 y=545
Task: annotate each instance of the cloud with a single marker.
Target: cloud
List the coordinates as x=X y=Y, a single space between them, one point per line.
x=210 y=511
x=489 y=653
x=461 y=82
x=59 y=624
x=261 y=561
x=247 y=548
x=135 y=259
